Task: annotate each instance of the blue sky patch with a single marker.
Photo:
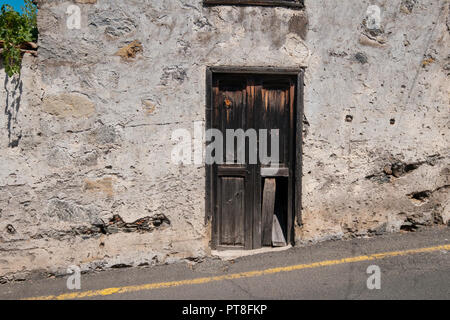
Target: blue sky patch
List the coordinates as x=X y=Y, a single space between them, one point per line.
x=16 y=4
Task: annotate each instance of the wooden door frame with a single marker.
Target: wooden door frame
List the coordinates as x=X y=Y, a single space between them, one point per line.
x=298 y=148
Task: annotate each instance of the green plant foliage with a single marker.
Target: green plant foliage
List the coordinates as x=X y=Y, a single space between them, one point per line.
x=15 y=29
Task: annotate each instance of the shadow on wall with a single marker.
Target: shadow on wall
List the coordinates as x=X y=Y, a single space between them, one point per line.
x=13 y=94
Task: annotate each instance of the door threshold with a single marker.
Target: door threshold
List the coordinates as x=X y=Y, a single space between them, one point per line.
x=233 y=254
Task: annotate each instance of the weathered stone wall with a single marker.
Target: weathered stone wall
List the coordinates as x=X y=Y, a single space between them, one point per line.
x=86 y=175
x=376 y=156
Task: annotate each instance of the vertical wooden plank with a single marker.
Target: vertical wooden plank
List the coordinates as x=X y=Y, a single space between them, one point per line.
x=257 y=225
x=292 y=155
x=268 y=209
x=299 y=148
x=287 y=134
x=256 y=168
x=232 y=209
x=249 y=186
x=218 y=210
x=216 y=196
x=239 y=218
x=227 y=214
x=208 y=167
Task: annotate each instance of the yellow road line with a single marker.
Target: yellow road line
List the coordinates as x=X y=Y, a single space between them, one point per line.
x=249 y=274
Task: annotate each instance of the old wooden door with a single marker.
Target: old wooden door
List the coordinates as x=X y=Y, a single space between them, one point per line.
x=245 y=196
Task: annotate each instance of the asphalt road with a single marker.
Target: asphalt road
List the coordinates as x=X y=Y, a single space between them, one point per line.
x=406 y=273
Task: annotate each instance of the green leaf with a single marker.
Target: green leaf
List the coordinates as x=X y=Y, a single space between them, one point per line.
x=15 y=29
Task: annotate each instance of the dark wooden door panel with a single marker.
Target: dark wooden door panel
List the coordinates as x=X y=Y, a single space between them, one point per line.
x=274 y=113
x=232 y=211
x=232 y=178
x=232 y=104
